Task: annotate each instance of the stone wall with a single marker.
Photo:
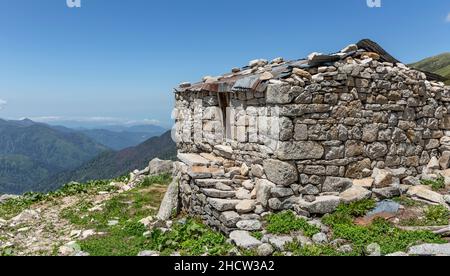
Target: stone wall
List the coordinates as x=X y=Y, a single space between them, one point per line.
x=306 y=136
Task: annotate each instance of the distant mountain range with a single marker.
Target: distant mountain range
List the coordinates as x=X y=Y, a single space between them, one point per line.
x=118 y=137
x=30 y=152
x=34 y=156
x=439 y=64
x=113 y=164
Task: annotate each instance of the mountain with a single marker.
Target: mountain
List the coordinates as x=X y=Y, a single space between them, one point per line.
x=116 y=137
x=439 y=64
x=31 y=152
x=113 y=164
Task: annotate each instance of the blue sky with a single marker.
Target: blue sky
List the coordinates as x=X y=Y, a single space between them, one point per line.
x=118 y=61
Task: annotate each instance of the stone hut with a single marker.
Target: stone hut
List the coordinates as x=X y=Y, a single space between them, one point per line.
x=306 y=135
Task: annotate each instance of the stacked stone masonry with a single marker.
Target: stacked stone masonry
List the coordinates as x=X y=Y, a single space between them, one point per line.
x=300 y=142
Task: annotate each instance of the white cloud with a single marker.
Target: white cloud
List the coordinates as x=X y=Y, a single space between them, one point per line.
x=96 y=120
x=448 y=17
x=2 y=103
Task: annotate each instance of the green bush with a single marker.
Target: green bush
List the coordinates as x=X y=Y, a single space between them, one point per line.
x=287 y=222
x=190 y=238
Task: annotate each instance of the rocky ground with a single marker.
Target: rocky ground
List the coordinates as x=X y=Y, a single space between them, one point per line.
x=120 y=218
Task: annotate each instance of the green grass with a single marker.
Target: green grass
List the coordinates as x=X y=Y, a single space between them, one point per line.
x=287 y=222
x=390 y=238
x=158 y=179
x=190 y=239
x=257 y=235
x=434 y=216
x=436 y=185
x=406 y=201
x=13 y=207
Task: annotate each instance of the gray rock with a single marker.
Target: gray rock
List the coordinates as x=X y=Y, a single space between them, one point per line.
x=223 y=204
x=229 y=218
x=354 y=194
x=280 y=173
x=224 y=151
x=282 y=192
x=411 y=180
x=301 y=150
x=336 y=184
x=244 y=240
x=373 y=250
x=447 y=199
x=309 y=190
x=322 y=205
x=320 y=238
x=191 y=159
x=169 y=202
x=245 y=206
x=386 y=193
x=263 y=191
x=257 y=171
x=218 y=193
x=265 y=250
x=243 y=194
x=249 y=225
x=430 y=250
x=279 y=242
x=158 y=166
x=424 y=192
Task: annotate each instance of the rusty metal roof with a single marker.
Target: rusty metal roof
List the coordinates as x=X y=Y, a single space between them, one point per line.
x=249 y=79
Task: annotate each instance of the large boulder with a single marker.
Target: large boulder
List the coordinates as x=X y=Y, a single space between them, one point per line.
x=280 y=173
x=170 y=201
x=158 y=166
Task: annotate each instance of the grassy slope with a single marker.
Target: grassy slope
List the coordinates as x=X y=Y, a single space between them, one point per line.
x=439 y=64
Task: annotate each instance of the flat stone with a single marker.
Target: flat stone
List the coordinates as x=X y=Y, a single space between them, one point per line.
x=411 y=181
x=148 y=253
x=336 y=184
x=322 y=205
x=244 y=240
x=364 y=183
x=243 y=194
x=249 y=225
x=301 y=150
x=223 y=204
x=424 y=192
x=224 y=151
x=245 y=206
x=354 y=194
x=430 y=250
x=192 y=159
x=210 y=183
x=170 y=201
x=386 y=193
x=218 y=193
x=282 y=192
